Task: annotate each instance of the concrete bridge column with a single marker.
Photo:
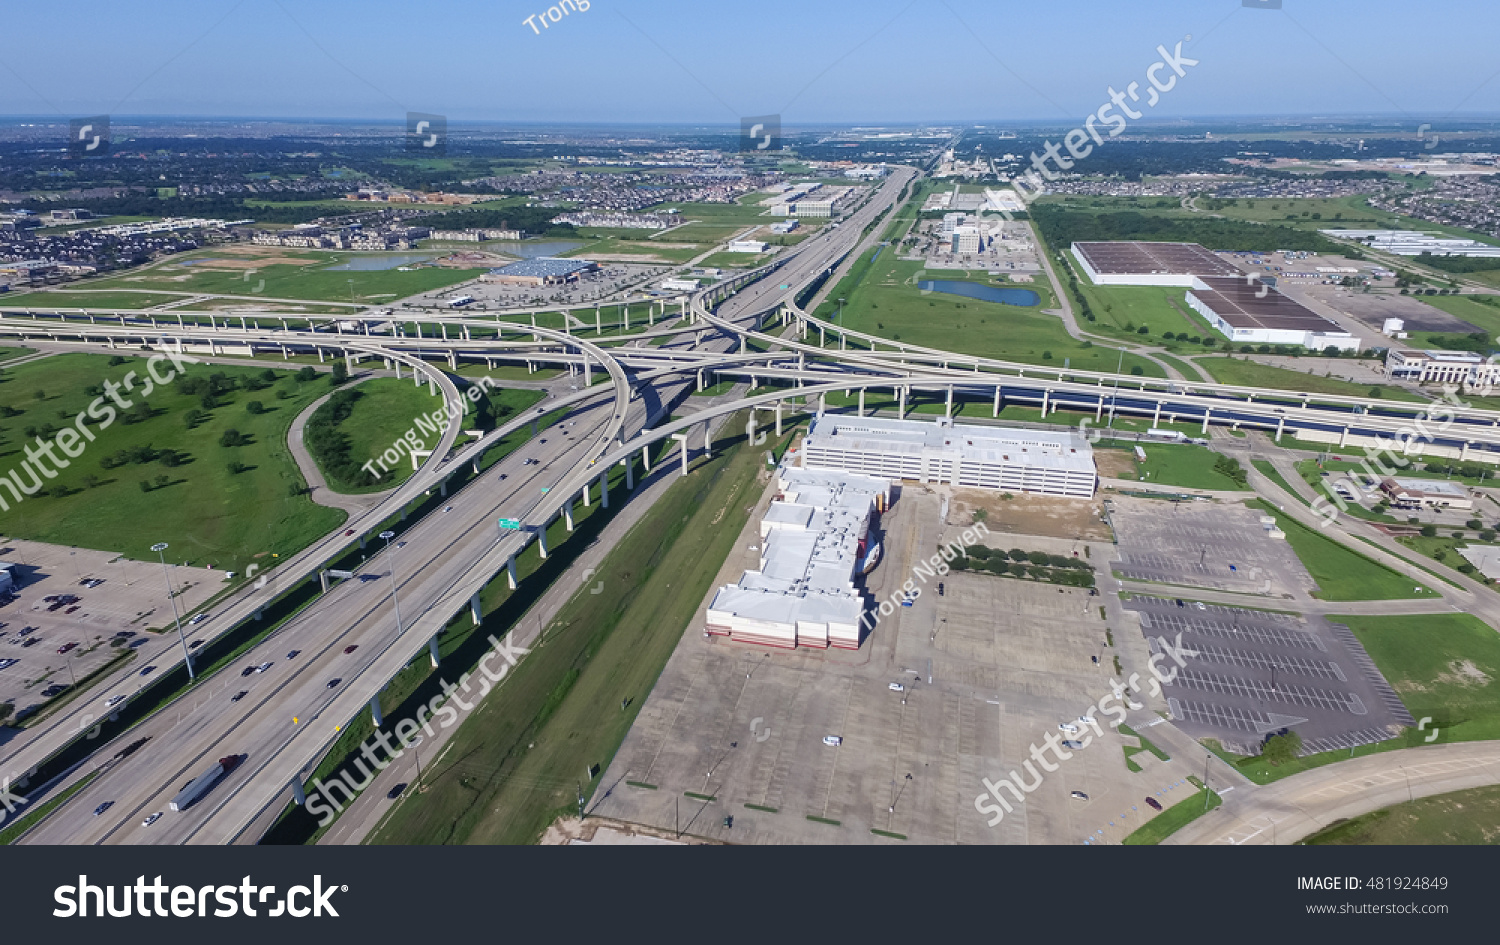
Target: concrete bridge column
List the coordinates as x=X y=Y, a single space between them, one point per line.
x=948 y=408
x=587 y=502
x=822 y=337
x=285 y=356
x=568 y=514
x=432 y=650
x=442 y=327
x=629 y=464
x=1046 y=401
x=510 y=570
x=541 y=540
x=416 y=377
x=901 y=405
x=587 y=370
x=778 y=418
x=181 y=327
x=1206 y=412
x=431 y=385
x=1343 y=437
x=452 y=360
x=604 y=489
x=598 y=322
x=375 y=711
x=1280 y=425
x=700 y=380
x=323 y=580
x=682 y=438
x=1463 y=452
x=1099 y=408
x=742 y=344
x=475 y=611
x=861 y=402
x=995 y=410
x=1156 y=417
x=646 y=458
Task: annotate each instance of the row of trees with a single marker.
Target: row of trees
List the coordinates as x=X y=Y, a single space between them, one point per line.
x=1020 y=563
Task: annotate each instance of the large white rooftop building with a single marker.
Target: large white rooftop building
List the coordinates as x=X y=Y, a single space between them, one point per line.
x=814 y=537
x=1051 y=462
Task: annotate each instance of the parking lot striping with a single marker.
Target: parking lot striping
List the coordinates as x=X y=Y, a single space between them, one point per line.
x=1245 y=720
x=1294 y=695
x=1294 y=639
x=1291 y=665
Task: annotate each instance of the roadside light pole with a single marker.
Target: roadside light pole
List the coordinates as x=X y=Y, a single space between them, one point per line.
x=1116 y=396
x=1206 y=793
x=388 y=535
x=187 y=655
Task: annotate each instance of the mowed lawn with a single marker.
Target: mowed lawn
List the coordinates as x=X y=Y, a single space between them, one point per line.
x=1254 y=374
x=512 y=767
x=385 y=410
x=1342 y=573
x=101 y=299
x=1446 y=666
x=209 y=515
x=1191 y=467
x=312 y=279
x=887 y=303
x=1462 y=818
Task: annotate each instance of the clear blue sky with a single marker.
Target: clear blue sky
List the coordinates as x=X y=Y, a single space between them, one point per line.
x=710 y=61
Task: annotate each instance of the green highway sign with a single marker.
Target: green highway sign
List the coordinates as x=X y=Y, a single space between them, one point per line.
x=511 y=523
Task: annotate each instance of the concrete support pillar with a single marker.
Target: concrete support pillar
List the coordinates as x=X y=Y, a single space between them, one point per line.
x=1099 y=408
x=995 y=410
x=1280 y=425
x=822 y=337
x=598 y=323
x=587 y=371
x=442 y=488
x=700 y=380
x=861 y=402
x=510 y=571
x=475 y=611
x=586 y=500
x=948 y=408
x=431 y=386
x=320 y=354
x=682 y=438
x=1156 y=417
x=541 y=541
x=778 y=418
x=568 y=514
x=1463 y=452
x=604 y=489
x=375 y=711
x=452 y=360
x=1206 y=413
x=432 y=650
x=646 y=458
x=629 y=472
x=323 y=580
x=1046 y=401
x=901 y=404
x=1343 y=437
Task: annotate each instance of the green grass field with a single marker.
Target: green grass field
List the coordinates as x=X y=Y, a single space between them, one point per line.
x=1342 y=573
x=1446 y=666
x=512 y=766
x=385 y=410
x=12 y=352
x=309 y=279
x=886 y=302
x=100 y=299
x=208 y=514
x=1462 y=818
x=1484 y=316
x=1192 y=467
x=1255 y=374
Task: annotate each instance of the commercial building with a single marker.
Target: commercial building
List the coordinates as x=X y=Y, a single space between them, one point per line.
x=478 y=235
x=1047 y=462
x=1415 y=243
x=1248 y=312
x=785 y=226
x=679 y=284
x=7 y=581
x=748 y=246
x=816 y=538
x=966 y=239
x=544 y=270
x=1140 y=263
x=1443 y=367
x=1426 y=494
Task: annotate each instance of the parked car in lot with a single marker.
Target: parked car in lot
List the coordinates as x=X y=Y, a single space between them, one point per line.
x=32 y=641
x=1070 y=743
x=1079 y=795
x=66 y=647
x=833 y=741
x=1068 y=727
x=1153 y=803
x=896 y=687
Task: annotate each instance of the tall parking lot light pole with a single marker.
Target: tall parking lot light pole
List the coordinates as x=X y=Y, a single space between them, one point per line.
x=388 y=535
x=187 y=655
x=1116 y=396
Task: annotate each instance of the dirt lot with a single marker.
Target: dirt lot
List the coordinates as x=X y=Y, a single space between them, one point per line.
x=1023 y=514
x=1114 y=464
